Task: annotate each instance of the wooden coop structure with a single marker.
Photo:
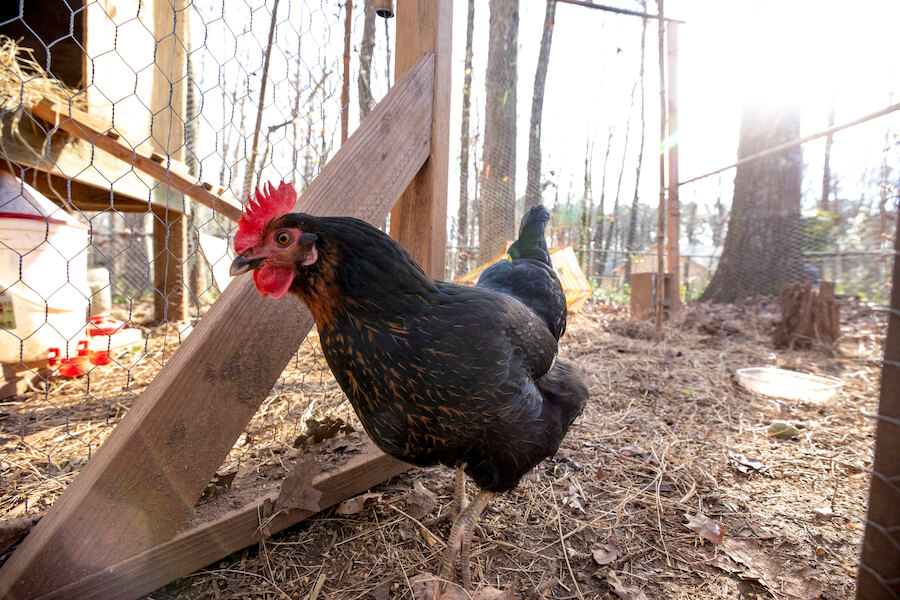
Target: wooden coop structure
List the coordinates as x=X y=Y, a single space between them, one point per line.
x=118 y=142
x=129 y=523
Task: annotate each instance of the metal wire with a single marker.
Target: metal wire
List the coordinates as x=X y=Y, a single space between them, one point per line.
x=180 y=83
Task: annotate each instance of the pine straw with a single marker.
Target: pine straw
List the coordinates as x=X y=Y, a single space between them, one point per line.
x=665 y=435
x=24 y=82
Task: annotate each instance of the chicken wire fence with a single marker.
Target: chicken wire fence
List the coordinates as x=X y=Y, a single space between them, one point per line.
x=104 y=269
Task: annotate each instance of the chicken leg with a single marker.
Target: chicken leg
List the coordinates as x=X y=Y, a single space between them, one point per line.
x=459 y=501
x=460 y=541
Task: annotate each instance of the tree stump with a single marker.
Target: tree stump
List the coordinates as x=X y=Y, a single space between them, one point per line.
x=807 y=316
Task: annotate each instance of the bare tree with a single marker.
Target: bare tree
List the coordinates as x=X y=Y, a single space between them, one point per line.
x=587 y=257
x=824 y=204
x=295 y=149
x=462 y=224
x=499 y=174
x=251 y=163
x=366 y=49
x=763 y=246
x=533 y=183
x=607 y=243
x=600 y=220
x=762 y=251
x=630 y=246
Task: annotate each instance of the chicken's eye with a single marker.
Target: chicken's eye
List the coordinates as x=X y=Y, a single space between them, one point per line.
x=283 y=238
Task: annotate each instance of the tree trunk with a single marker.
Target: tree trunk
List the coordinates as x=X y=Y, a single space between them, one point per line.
x=366 y=49
x=824 y=204
x=499 y=174
x=633 y=214
x=762 y=252
x=587 y=257
x=607 y=243
x=599 y=221
x=533 y=185
x=462 y=222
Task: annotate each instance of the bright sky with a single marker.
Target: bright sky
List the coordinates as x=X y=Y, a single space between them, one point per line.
x=841 y=52
x=845 y=53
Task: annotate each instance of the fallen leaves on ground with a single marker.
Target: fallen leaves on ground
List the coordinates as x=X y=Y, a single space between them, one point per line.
x=623 y=591
x=605 y=554
x=795 y=585
x=705 y=527
x=355 y=505
x=424 y=584
x=420 y=501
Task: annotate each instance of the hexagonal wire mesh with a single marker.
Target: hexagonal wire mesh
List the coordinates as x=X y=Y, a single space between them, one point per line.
x=86 y=235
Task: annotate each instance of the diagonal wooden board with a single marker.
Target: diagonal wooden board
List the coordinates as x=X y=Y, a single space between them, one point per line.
x=140 y=488
x=217 y=538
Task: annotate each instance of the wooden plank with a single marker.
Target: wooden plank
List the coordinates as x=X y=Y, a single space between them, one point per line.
x=170 y=295
x=419 y=221
x=879 y=565
x=168 y=103
x=171 y=172
x=216 y=539
x=25 y=142
x=139 y=489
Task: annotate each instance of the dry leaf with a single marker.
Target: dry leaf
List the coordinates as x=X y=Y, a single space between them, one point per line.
x=297 y=490
x=424 y=587
x=356 y=504
x=795 y=585
x=605 y=554
x=705 y=527
x=623 y=591
x=318 y=431
x=420 y=501
x=635 y=452
x=747 y=465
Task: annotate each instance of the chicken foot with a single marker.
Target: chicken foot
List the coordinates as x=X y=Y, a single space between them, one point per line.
x=459 y=502
x=459 y=542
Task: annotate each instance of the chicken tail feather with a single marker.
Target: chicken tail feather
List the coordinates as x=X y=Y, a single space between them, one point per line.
x=531 y=242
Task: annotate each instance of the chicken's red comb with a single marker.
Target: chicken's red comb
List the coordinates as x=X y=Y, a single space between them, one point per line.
x=270 y=203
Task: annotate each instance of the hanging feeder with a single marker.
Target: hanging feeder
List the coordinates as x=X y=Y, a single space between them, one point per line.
x=384 y=8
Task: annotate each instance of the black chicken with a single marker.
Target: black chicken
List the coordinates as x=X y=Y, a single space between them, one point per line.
x=437 y=372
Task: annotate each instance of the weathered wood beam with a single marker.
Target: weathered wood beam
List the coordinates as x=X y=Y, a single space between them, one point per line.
x=419 y=220
x=159 y=167
x=879 y=565
x=140 y=488
x=25 y=141
x=236 y=529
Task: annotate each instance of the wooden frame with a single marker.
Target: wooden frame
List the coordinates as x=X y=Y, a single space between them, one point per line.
x=419 y=221
x=138 y=491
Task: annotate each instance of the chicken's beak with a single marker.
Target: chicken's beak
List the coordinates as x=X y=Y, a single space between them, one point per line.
x=243 y=264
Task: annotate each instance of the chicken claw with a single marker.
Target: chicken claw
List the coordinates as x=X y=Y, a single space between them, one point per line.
x=459 y=542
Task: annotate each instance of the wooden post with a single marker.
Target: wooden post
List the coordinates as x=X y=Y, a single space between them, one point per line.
x=661 y=217
x=345 y=88
x=879 y=565
x=673 y=234
x=169 y=251
x=167 y=106
x=139 y=489
x=419 y=220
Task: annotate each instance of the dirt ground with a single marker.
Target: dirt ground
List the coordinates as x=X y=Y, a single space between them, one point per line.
x=675 y=482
